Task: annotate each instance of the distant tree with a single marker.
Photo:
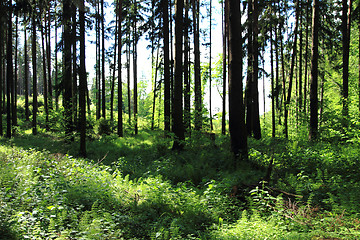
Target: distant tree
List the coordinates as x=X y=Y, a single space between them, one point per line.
x=313 y=134
x=238 y=134
x=178 y=127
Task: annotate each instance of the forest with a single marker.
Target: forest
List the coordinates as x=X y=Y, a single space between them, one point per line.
x=246 y=126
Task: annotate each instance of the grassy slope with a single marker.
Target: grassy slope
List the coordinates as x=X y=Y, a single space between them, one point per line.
x=136 y=188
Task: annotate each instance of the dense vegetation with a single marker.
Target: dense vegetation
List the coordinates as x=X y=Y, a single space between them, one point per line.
x=138 y=188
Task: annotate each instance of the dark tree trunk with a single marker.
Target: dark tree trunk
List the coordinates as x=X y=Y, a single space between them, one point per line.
x=56 y=81
x=74 y=88
x=197 y=78
x=1 y=72
x=120 y=130
x=16 y=78
x=103 y=95
x=300 y=95
x=224 y=76
x=9 y=72
x=167 y=79
x=313 y=134
x=238 y=135
x=210 y=66
x=82 y=81
x=34 y=92
x=306 y=56
x=26 y=77
x=187 y=88
x=67 y=72
x=112 y=90
x=98 y=74
x=135 y=40
x=273 y=94
x=178 y=127
x=346 y=16
x=128 y=75
x=45 y=91
x=48 y=54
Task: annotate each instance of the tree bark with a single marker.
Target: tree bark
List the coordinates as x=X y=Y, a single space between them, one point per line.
x=167 y=79
x=197 y=80
x=45 y=90
x=187 y=87
x=82 y=81
x=224 y=76
x=238 y=134
x=135 y=40
x=103 y=80
x=120 y=130
x=313 y=134
x=26 y=73
x=9 y=72
x=178 y=127
x=34 y=92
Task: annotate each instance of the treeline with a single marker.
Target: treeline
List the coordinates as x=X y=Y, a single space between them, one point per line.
x=309 y=47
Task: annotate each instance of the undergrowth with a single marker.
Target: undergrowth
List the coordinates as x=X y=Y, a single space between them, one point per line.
x=137 y=188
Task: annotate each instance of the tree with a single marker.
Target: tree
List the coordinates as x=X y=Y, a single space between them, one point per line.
x=103 y=80
x=178 y=127
x=238 y=134
x=313 y=134
x=120 y=131
x=346 y=27
x=224 y=78
x=197 y=75
x=67 y=76
x=167 y=79
x=135 y=40
x=82 y=81
x=34 y=68
x=9 y=71
x=187 y=84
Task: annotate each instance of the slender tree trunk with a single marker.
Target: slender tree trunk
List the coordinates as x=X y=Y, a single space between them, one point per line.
x=178 y=127
x=9 y=72
x=26 y=77
x=103 y=80
x=44 y=78
x=128 y=74
x=238 y=135
x=112 y=90
x=1 y=73
x=34 y=92
x=82 y=81
x=197 y=80
x=74 y=88
x=135 y=40
x=210 y=66
x=346 y=17
x=224 y=76
x=277 y=79
x=292 y=67
x=120 y=130
x=98 y=75
x=48 y=54
x=300 y=97
x=167 y=78
x=306 y=55
x=359 y=64
x=16 y=78
x=155 y=87
x=273 y=94
x=67 y=72
x=56 y=78
x=187 y=93
x=313 y=134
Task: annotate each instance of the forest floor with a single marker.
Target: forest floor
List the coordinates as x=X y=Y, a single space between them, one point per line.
x=138 y=188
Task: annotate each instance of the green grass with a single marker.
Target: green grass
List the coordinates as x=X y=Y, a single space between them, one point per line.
x=137 y=188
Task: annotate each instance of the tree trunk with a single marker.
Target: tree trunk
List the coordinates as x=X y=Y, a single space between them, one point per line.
x=34 y=92
x=120 y=130
x=306 y=56
x=238 y=135
x=1 y=72
x=128 y=74
x=26 y=77
x=67 y=72
x=98 y=75
x=210 y=66
x=135 y=40
x=313 y=134
x=103 y=80
x=197 y=80
x=292 y=67
x=112 y=90
x=300 y=95
x=56 y=81
x=273 y=95
x=82 y=81
x=187 y=86
x=48 y=54
x=346 y=27
x=167 y=79
x=9 y=72
x=178 y=127
x=74 y=88
x=16 y=78
x=224 y=77
x=45 y=91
